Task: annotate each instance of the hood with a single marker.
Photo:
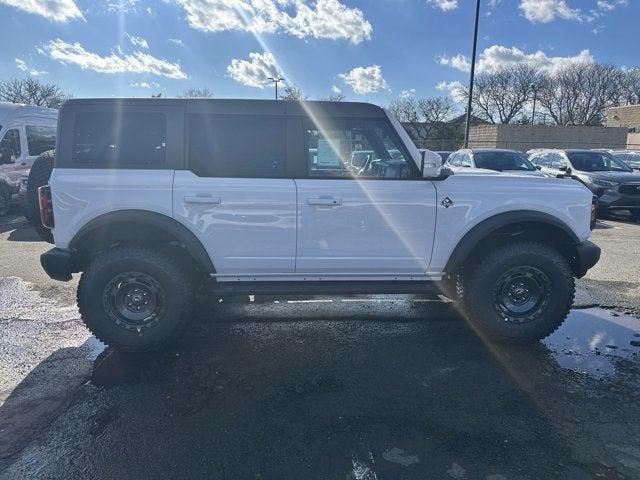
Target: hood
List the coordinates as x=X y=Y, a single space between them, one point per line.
x=620 y=177
x=526 y=173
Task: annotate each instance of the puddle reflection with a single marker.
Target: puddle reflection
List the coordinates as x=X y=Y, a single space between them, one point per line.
x=592 y=340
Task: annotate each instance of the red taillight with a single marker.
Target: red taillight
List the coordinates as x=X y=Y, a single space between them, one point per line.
x=46 y=206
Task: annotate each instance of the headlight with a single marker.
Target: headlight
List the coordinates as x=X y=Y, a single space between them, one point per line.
x=604 y=183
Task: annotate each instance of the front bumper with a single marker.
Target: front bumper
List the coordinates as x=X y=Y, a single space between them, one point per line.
x=58 y=263
x=613 y=199
x=587 y=255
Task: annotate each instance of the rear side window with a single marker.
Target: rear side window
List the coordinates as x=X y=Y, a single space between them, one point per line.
x=237 y=146
x=40 y=139
x=120 y=138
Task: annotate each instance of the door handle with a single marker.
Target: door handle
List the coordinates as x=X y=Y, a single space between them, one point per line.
x=325 y=202
x=202 y=200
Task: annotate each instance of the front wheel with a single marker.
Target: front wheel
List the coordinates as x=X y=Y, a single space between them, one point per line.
x=134 y=299
x=520 y=293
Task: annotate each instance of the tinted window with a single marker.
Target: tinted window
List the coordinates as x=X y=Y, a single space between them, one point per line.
x=237 y=146
x=502 y=161
x=454 y=159
x=40 y=139
x=355 y=148
x=10 y=146
x=107 y=138
x=596 y=162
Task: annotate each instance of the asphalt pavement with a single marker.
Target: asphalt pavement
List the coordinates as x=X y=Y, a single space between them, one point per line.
x=362 y=387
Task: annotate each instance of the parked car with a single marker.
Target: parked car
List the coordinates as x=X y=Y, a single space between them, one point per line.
x=611 y=180
x=499 y=160
x=444 y=155
x=25 y=132
x=630 y=157
x=155 y=199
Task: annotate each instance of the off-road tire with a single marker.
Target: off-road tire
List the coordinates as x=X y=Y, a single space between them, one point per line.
x=5 y=200
x=480 y=293
x=39 y=175
x=93 y=294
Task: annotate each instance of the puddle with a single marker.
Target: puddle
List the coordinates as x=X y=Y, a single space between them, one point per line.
x=591 y=340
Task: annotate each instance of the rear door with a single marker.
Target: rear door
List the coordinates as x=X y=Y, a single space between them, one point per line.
x=234 y=193
x=376 y=223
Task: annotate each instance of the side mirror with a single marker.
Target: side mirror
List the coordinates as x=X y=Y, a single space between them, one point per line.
x=563 y=168
x=429 y=167
x=538 y=167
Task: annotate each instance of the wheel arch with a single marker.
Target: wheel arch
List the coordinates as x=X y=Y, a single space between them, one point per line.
x=508 y=226
x=128 y=225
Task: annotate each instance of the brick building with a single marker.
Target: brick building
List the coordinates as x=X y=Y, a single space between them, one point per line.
x=629 y=117
x=527 y=137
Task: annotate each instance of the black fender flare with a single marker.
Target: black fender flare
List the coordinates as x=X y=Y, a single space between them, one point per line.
x=171 y=226
x=500 y=220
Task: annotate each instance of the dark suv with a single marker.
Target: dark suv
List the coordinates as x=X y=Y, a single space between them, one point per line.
x=611 y=180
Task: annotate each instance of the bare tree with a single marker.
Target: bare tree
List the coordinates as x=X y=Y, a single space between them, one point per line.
x=32 y=92
x=630 y=86
x=502 y=96
x=580 y=94
x=334 y=97
x=293 y=93
x=421 y=117
x=194 y=92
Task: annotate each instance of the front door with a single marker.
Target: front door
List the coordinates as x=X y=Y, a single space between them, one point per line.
x=366 y=222
x=235 y=197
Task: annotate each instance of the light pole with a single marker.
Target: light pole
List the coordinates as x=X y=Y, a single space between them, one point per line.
x=276 y=80
x=473 y=73
x=535 y=97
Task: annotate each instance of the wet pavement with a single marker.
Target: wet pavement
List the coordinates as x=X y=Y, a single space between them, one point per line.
x=364 y=387
x=349 y=388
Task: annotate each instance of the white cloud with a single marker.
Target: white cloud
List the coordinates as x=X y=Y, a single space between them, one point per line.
x=255 y=71
x=365 y=80
x=545 y=11
x=57 y=10
x=455 y=89
x=145 y=85
x=459 y=62
x=23 y=67
x=408 y=93
x=138 y=62
x=321 y=19
x=608 y=5
x=444 y=5
x=497 y=57
x=336 y=90
x=175 y=41
x=137 y=41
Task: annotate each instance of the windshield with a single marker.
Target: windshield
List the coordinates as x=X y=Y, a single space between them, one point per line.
x=502 y=161
x=596 y=162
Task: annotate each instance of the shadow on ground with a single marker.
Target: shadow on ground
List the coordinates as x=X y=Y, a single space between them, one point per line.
x=265 y=390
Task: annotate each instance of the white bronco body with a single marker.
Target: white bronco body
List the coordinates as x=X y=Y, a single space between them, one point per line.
x=307 y=219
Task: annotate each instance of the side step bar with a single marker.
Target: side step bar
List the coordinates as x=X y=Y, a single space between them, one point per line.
x=324 y=288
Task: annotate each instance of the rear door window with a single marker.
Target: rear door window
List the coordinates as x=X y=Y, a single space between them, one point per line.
x=40 y=139
x=237 y=146
x=119 y=138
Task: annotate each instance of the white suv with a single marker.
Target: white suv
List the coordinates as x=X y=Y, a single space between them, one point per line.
x=25 y=132
x=153 y=199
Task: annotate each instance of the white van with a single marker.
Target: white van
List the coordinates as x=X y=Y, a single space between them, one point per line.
x=25 y=132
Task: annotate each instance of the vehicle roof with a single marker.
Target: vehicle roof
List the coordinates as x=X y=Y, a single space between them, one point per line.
x=10 y=111
x=243 y=106
x=493 y=150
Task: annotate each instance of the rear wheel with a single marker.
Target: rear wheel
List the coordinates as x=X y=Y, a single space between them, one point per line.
x=135 y=299
x=519 y=293
x=5 y=200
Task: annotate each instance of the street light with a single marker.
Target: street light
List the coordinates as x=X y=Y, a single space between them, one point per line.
x=473 y=72
x=276 y=80
x=535 y=97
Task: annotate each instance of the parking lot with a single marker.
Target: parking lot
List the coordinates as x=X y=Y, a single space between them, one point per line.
x=364 y=387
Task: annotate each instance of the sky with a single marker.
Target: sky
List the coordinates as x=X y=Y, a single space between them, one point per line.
x=368 y=50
